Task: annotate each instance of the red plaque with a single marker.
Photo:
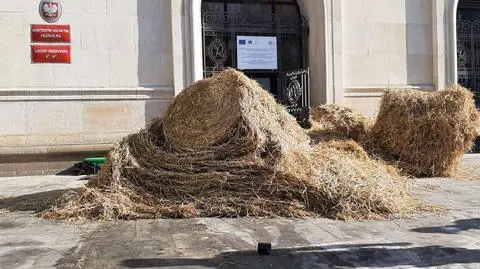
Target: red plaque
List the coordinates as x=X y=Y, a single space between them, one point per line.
x=50 y=33
x=51 y=54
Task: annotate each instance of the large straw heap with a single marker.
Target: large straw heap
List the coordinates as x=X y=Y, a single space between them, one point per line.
x=226 y=148
x=426 y=133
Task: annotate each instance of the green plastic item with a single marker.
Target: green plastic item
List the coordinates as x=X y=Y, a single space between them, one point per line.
x=96 y=160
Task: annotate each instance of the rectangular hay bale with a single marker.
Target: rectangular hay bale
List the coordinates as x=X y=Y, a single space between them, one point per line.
x=426 y=133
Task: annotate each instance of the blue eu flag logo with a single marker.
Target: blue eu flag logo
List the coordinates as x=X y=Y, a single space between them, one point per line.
x=242 y=42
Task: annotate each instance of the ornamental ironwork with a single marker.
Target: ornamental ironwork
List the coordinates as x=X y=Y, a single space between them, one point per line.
x=468 y=55
x=466 y=26
x=223 y=18
x=293 y=92
x=217 y=51
x=463 y=54
x=223 y=21
x=220 y=19
x=296 y=90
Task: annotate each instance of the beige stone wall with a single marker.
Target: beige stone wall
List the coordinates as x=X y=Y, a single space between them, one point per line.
x=366 y=103
x=386 y=43
x=120 y=77
x=73 y=122
x=115 y=43
x=131 y=56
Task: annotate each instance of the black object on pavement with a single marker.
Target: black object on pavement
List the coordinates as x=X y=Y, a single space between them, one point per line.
x=264 y=248
x=85 y=168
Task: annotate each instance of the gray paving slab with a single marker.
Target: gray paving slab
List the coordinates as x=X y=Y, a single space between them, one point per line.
x=450 y=239
x=16 y=186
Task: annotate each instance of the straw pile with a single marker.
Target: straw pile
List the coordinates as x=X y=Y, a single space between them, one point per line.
x=332 y=121
x=226 y=148
x=426 y=133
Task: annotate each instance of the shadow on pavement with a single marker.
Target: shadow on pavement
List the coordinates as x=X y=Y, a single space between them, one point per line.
x=33 y=202
x=384 y=256
x=459 y=226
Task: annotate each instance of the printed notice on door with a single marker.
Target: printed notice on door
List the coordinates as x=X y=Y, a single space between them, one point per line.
x=257 y=52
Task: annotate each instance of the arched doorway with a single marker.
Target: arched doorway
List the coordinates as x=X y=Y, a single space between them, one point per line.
x=468 y=48
x=267 y=40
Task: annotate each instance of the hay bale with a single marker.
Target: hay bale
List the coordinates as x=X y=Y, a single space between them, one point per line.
x=426 y=133
x=252 y=160
x=478 y=124
x=337 y=122
x=229 y=110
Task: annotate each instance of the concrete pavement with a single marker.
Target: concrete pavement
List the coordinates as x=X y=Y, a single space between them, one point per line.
x=450 y=239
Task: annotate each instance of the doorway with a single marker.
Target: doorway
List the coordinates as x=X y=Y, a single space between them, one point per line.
x=468 y=50
x=265 y=39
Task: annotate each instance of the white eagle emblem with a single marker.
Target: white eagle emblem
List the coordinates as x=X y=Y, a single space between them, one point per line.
x=50 y=9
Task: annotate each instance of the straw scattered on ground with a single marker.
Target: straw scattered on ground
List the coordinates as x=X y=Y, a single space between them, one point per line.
x=332 y=121
x=425 y=133
x=467 y=172
x=226 y=148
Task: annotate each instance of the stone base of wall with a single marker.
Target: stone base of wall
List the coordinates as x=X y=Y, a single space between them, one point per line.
x=46 y=161
x=46 y=130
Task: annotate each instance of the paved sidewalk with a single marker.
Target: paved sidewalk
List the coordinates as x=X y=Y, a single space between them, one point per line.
x=447 y=240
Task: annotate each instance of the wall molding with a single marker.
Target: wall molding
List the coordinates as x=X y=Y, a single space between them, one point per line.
x=450 y=23
x=377 y=91
x=363 y=94
x=439 y=43
x=383 y=87
x=86 y=94
x=59 y=153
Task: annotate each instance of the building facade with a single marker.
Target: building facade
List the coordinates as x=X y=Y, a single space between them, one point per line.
x=129 y=58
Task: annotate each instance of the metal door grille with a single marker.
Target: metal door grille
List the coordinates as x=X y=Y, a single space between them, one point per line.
x=224 y=20
x=295 y=90
x=468 y=55
x=468 y=58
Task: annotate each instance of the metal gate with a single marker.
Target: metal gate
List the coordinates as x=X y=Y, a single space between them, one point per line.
x=225 y=20
x=468 y=57
x=295 y=90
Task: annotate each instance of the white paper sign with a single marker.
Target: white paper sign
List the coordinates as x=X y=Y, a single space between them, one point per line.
x=256 y=52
